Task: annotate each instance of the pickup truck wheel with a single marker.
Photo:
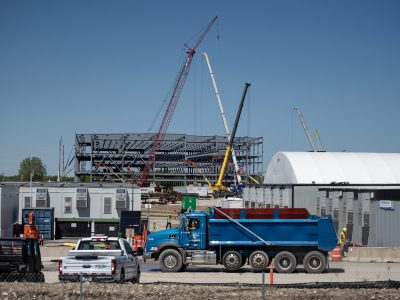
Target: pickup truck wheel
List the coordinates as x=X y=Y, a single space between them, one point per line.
x=170 y=260
x=314 y=262
x=285 y=262
x=136 y=278
x=259 y=261
x=232 y=260
x=122 y=276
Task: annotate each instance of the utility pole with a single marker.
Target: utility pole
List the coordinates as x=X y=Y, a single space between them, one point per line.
x=30 y=185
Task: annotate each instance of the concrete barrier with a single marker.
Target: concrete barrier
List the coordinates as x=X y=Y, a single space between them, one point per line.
x=373 y=254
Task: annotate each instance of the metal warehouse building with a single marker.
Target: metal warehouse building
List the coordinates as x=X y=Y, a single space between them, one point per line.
x=359 y=190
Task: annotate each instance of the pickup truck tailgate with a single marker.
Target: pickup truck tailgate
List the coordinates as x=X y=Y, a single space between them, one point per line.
x=101 y=265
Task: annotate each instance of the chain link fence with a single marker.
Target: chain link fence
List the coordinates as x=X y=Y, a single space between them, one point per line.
x=214 y=282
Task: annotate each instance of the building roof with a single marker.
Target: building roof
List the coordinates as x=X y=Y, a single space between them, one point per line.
x=333 y=167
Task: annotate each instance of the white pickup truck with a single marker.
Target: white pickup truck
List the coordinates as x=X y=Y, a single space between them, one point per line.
x=100 y=258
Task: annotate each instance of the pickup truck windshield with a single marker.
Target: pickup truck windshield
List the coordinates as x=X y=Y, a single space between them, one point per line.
x=99 y=245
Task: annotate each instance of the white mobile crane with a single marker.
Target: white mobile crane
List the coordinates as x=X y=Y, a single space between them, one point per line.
x=307 y=132
x=228 y=135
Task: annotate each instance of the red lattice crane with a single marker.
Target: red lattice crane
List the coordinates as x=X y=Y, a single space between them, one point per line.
x=176 y=93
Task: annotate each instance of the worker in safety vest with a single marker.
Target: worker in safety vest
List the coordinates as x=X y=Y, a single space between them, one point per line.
x=169 y=222
x=342 y=239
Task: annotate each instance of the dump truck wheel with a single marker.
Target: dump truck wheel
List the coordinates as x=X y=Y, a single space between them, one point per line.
x=259 y=261
x=285 y=262
x=170 y=260
x=314 y=262
x=232 y=260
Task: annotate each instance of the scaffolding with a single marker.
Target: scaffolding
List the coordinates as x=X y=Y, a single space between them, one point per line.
x=121 y=157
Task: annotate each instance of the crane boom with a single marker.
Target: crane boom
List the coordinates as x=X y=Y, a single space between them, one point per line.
x=304 y=125
x=196 y=167
x=239 y=178
x=318 y=138
x=219 y=186
x=177 y=90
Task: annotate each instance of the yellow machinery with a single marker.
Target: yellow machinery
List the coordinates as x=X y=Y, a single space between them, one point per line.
x=219 y=186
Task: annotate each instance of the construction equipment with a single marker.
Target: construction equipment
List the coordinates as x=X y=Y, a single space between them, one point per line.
x=219 y=186
x=196 y=167
x=318 y=138
x=237 y=172
x=253 y=179
x=304 y=125
x=176 y=92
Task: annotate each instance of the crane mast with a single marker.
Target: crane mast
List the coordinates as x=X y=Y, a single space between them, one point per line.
x=304 y=125
x=177 y=90
x=239 y=178
x=219 y=186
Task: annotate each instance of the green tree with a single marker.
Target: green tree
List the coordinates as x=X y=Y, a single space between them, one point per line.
x=29 y=165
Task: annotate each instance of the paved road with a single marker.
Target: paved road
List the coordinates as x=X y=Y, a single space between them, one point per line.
x=337 y=272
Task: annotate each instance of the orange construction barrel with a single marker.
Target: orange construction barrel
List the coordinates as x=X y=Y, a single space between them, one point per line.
x=337 y=254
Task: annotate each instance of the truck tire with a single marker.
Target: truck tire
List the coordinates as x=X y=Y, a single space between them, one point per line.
x=285 y=262
x=122 y=276
x=232 y=260
x=314 y=262
x=170 y=260
x=136 y=278
x=259 y=261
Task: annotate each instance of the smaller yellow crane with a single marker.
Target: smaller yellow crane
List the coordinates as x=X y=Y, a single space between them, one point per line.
x=219 y=186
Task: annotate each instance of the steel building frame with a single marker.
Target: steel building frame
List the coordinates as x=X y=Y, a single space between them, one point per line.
x=118 y=157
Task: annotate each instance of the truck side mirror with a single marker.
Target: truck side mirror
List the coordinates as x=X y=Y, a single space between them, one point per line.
x=122 y=252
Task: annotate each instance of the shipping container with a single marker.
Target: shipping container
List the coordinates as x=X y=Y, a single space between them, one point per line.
x=43 y=218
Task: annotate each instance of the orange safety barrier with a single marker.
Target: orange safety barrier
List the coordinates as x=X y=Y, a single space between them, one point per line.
x=337 y=254
x=137 y=242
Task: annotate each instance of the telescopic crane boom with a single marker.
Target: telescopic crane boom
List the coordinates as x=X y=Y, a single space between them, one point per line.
x=318 y=138
x=176 y=92
x=307 y=132
x=219 y=186
x=237 y=173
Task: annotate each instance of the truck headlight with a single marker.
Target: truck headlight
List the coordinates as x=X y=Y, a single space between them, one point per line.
x=153 y=249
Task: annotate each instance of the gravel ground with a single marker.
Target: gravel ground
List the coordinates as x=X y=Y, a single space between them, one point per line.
x=157 y=291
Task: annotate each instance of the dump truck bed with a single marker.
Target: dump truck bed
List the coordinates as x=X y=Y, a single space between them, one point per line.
x=310 y=232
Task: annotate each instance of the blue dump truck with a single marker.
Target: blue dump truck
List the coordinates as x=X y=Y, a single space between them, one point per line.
x=236 y=236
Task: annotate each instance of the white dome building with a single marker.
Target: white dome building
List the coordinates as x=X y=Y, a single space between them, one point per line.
x=333 y=167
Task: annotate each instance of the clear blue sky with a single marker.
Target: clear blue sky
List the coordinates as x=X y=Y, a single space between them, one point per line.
x=106 y=67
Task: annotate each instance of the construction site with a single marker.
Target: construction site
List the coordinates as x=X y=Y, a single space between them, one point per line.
x=319 y=219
